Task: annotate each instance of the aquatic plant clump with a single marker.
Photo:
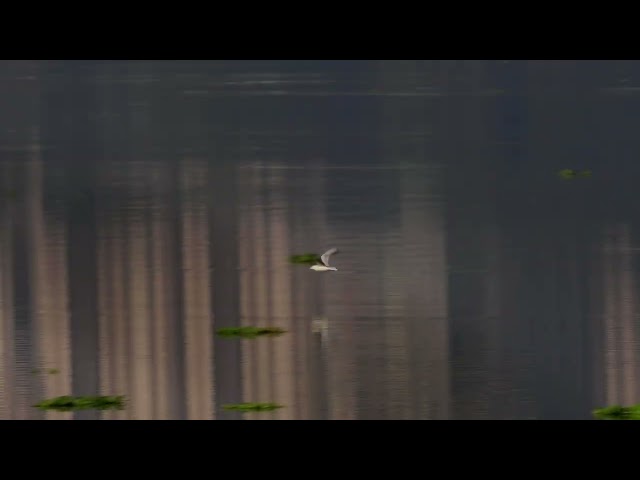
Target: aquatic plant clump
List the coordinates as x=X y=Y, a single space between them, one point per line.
x=305 y=259
x=617 y=412
x=48 y=371
x=250 y=332
x=569 y=174
x=72 y=404
x=252 y=407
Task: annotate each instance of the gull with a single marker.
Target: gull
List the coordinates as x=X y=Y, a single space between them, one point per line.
x=323 y=264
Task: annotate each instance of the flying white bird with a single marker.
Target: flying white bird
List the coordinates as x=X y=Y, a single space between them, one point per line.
x=323 y=264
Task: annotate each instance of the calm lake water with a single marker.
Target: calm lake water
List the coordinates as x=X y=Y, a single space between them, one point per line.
x=144 y=205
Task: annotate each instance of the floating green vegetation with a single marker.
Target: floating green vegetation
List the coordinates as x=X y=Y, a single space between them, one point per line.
x=305 y=259
x=72 y=404
x=250 y=332
x=252 y=407
x=617 y=412
x=569 y=174
x=50 y=371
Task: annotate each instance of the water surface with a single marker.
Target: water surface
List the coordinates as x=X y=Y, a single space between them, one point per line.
x=146 y=204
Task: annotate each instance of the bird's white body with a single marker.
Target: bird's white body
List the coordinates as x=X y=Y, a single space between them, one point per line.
x=323 y=265
x=322 y=268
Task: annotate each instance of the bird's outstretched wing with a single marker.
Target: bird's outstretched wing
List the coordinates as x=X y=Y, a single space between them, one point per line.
x=325 y=256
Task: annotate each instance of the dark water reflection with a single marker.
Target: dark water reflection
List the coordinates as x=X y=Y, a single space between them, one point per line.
x=145 y=204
